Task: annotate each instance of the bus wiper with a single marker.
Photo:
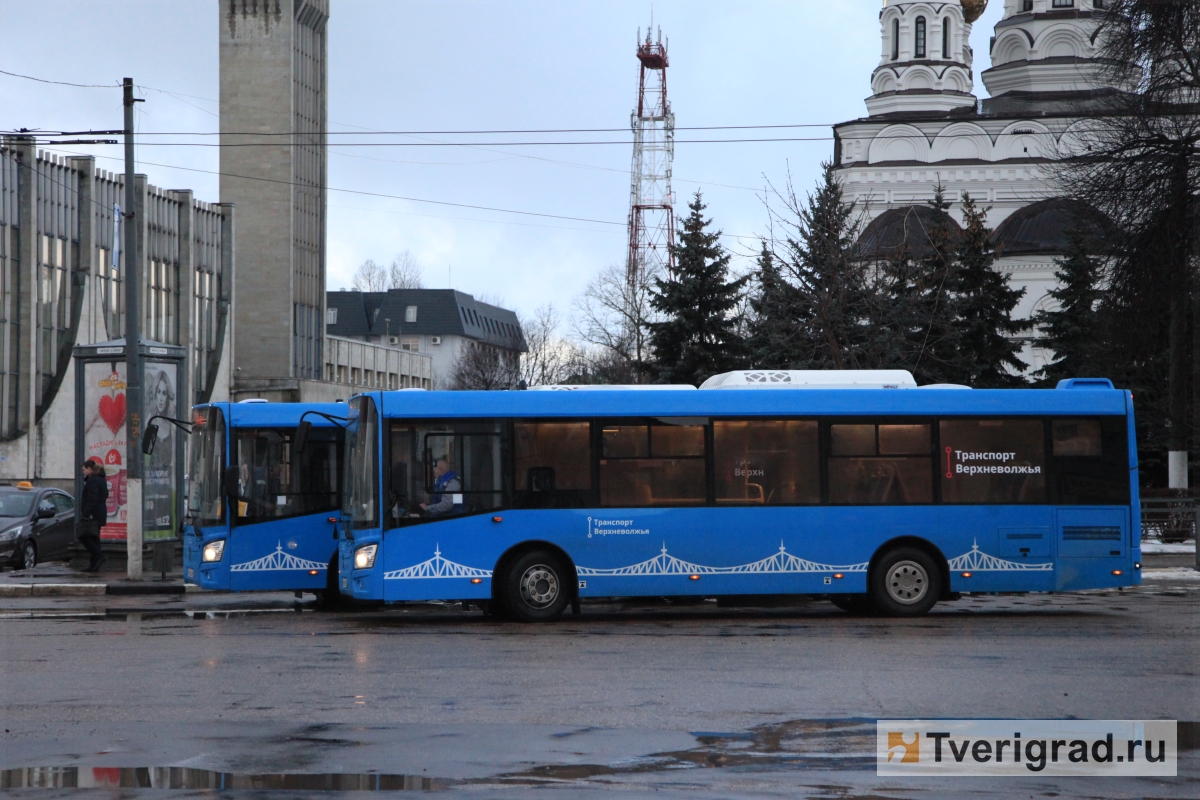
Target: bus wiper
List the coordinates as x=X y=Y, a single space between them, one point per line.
x=300 y=440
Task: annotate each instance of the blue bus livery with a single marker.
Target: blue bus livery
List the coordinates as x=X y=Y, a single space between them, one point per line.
x=881 y=498
x=261 y=511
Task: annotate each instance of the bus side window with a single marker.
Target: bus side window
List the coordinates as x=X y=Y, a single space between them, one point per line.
x=553 y=464
x=873 y=464
x=652 y=465
x=1091 y=461
x=766 y=462
x=992 y=461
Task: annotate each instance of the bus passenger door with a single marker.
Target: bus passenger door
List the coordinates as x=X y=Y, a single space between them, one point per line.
x=283 y=538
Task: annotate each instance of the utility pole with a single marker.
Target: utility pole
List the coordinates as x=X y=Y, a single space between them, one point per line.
x=133 y=356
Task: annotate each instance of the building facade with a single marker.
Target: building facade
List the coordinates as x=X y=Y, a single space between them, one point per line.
x=60 y=286
x=925 y=128
x=439 y=323
x=273 y=121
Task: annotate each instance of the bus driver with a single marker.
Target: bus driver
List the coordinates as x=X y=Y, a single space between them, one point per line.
x=445 y=485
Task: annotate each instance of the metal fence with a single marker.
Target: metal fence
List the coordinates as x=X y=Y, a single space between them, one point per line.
x=1170 y=519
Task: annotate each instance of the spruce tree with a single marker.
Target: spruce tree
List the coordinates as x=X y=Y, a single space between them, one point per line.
x=986 y=354
x=771 y=325
x=829 y=287
x=1073 y=331
x=697 y=336
x=929 y=304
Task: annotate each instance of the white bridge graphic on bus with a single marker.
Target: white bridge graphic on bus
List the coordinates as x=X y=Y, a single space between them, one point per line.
x=979 y=561
x=666 y=564
x=437 y=567
x=781 y=563
x=278 y=561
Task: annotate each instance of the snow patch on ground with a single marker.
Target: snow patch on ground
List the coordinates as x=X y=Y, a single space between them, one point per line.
x=1182 y=548
x=1171 y=574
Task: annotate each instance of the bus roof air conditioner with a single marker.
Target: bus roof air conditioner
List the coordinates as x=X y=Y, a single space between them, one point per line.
x=812 y=379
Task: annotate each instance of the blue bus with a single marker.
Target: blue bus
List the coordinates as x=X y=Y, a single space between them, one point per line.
x=262 y=511
x=877 y=494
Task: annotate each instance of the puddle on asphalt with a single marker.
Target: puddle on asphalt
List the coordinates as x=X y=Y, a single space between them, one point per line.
x=188 y=778
x=838 y=745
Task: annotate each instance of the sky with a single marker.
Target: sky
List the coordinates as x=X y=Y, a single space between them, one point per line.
x=462 y=65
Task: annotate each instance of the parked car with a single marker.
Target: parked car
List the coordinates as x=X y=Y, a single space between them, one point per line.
x=35 y=524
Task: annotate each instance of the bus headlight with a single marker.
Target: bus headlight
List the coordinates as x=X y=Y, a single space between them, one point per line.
x=213 y=551
x=364 y=557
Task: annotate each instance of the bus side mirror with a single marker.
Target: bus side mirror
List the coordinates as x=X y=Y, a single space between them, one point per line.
x=300 y=441
x=232 y=478
x=150 y=438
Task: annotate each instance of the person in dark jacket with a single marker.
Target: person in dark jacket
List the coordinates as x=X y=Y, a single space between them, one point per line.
x=93 y=512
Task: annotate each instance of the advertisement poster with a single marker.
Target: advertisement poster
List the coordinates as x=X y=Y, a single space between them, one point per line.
x=158 y=392
x=104 y=436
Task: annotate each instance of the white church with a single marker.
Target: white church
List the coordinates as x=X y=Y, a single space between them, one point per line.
x=924 y=127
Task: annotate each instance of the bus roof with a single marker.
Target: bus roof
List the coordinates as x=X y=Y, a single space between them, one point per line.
x=739 y=402
x=267 y=415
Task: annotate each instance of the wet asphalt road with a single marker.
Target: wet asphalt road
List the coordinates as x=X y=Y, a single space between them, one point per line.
x=647 y=699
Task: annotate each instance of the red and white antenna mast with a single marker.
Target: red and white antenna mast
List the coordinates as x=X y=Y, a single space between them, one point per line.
x=651 y=203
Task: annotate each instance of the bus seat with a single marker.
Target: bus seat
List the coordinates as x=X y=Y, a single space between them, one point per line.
x=540 y=480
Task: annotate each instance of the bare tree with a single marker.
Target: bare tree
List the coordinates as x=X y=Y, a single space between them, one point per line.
x=550 y=358
x=612 y=316
x=1138 y=161
x=484 y=368
x=370 y=277
x=405 y=272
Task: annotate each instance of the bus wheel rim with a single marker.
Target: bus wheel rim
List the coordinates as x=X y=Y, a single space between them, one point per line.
x=539 y=586
x=907 y=582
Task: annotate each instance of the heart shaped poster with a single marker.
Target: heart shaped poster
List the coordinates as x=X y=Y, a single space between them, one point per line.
x=112 y=411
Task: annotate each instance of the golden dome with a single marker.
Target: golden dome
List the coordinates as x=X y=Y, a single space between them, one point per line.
x=973 y=9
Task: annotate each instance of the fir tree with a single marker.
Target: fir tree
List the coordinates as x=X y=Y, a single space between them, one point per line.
x=824 y=323
x=933 y=336
x=986 y=353
x=1073 y=331
x=770 y=325
x=697 y=336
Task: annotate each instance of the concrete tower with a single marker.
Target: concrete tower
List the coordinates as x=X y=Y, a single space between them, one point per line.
x=273 y=125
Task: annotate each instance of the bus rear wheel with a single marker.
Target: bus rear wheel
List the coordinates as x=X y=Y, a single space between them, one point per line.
x=536 y=587
x=905 y=583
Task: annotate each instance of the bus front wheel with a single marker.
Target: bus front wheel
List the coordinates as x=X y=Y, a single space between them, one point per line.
x=535 y=587
x=905 y=583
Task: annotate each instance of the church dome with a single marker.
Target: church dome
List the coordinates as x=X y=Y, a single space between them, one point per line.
x=1043 y=227
x=904 y=230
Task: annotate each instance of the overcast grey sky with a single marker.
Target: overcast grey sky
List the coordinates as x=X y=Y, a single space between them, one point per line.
x=417 y=65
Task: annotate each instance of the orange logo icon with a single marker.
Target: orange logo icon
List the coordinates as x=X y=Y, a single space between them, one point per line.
x=911 y=751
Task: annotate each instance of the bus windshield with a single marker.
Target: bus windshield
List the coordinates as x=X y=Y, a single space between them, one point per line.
x=274 y=481
x=206 y=504
x=362 y=464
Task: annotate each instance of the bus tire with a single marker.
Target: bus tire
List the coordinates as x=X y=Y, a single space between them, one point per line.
x=332 y=598
x=536 y=588
x=859 y=604
x=905 y=582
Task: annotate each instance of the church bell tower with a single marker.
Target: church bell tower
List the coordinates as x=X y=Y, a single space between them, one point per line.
x=925 y=63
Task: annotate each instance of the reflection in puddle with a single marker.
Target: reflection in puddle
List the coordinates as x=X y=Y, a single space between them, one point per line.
x=188 y=778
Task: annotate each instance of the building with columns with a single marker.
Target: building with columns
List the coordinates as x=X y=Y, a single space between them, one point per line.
x=925 y=127
x=61 y=288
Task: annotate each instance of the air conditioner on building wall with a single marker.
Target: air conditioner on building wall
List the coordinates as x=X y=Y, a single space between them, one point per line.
x=435 y=340
x=393 y=340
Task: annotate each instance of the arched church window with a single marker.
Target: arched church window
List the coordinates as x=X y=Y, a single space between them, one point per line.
x=946 y=38
x=895 y=39
x=920 y=48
